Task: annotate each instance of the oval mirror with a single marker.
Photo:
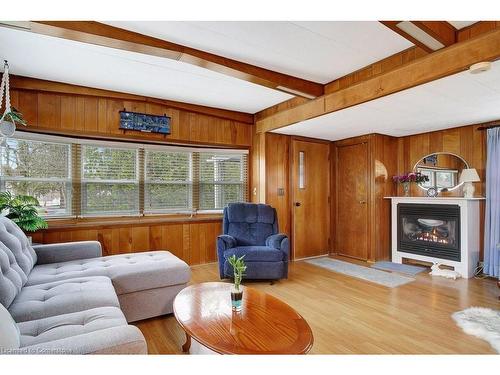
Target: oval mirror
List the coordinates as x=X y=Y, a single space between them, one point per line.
x=443 y=170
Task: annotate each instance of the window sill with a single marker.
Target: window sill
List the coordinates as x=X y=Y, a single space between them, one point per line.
x=104 y=222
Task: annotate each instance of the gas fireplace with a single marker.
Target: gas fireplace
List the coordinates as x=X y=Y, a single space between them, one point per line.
x=430 y=230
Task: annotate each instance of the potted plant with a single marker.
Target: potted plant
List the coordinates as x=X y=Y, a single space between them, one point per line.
x=22 y=210
x=239 y=269
x=407 y=178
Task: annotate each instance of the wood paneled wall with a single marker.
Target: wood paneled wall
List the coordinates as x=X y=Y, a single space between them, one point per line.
x=90 y=116
x=271 y=159
x=194 y=242
x=96 y=116
x=465 y=141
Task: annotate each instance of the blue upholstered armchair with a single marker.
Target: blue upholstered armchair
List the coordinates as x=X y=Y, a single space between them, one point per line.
x=252 y=230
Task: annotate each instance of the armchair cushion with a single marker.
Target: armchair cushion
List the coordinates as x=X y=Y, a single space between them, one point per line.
x=255 y=253
x=250 y=213
x=225 y=242
x=275 y=241
x=65 y=252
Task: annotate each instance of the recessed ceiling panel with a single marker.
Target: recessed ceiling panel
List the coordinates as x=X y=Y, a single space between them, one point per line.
x=61 y=60
x=461 y=24
x=460 y=99
x=316 y=51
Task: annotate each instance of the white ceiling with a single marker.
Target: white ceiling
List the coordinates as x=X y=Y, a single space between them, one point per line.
x=316 y=51
x=56 y=59
x=460 y=99
x=461 y=24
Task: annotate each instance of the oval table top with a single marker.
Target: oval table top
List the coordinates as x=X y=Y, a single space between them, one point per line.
x=265 y=325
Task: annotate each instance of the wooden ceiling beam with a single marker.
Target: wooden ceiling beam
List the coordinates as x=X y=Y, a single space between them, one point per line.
x=393 y=26
x=444 y=62
x=439 y=30
x=113 y=37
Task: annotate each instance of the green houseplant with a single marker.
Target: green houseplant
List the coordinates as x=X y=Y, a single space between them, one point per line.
x=22 y=210
x=239 y=269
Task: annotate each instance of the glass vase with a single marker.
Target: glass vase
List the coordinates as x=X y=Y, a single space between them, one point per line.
x=406 y=189
x=236 y=298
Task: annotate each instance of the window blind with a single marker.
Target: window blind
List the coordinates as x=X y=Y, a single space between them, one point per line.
x=168 y=181
x=81 y=177
x=39 y=169
x=223 y=179
x=109 y=180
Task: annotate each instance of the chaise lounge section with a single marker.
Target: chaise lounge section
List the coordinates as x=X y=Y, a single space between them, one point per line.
x=68 y=297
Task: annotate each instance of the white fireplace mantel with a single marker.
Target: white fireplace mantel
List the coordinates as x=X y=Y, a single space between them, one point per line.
x=469 y=232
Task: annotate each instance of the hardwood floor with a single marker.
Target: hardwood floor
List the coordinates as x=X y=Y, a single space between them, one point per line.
x=350 y=316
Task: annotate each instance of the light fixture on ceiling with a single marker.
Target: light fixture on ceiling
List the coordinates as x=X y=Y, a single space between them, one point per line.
x=10 y=116
x=417 y=33
x=480 y=67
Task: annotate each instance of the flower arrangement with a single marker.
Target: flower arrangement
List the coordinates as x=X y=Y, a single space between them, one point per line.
x=407 y=178
x=410 y=177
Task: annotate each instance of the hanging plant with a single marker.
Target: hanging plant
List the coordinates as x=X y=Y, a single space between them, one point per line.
x=15 y=117
x=11 y=116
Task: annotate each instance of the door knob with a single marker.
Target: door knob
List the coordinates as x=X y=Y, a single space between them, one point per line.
x=297 y=204
x=362 y=202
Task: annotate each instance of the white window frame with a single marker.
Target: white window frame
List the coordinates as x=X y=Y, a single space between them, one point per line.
x=85 y=181
x=68 y=182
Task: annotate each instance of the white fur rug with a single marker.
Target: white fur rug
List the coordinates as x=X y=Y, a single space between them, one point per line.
x=480 y=322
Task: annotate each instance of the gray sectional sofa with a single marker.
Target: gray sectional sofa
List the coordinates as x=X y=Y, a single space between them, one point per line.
x=67 y=298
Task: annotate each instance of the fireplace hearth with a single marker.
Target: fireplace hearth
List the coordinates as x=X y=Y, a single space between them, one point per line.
x=429 y=229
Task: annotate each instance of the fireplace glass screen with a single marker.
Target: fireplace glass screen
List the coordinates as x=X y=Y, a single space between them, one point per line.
x=429 y=229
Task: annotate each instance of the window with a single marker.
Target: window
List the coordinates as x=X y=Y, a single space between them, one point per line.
x=222 y=179
x=39 y=169
x=168 y=181
x=110 y=181
x=73 y=177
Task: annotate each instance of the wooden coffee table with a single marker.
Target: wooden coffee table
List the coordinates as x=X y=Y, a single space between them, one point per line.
x=265 y=324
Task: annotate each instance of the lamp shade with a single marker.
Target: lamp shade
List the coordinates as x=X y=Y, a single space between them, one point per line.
x=469 y=175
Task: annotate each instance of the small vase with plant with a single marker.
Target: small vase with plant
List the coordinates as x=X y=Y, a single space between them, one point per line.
x=239 y=269
x=407 y=178
x=22 y=210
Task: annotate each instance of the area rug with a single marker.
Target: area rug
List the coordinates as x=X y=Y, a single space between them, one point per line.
x=396 y=267
x=390 y=280
x=480 y=322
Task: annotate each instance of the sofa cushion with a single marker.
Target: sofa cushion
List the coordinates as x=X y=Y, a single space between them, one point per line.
x=128 y=272
x=63 y=297
x=255 y=253
x=67 y=325
x=12 y=277
x=9 y=331
x=14 y=238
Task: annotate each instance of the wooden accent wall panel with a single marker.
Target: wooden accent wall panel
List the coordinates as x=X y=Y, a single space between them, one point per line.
x=277 y=164
x=385 y=164
x=476 y=29
x=193 y=242
x=91 y=116
x=465 y=141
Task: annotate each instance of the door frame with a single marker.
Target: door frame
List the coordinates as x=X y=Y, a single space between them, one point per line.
x=292 y=189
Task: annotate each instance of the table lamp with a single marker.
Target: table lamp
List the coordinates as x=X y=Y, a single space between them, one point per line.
x=467 y=177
